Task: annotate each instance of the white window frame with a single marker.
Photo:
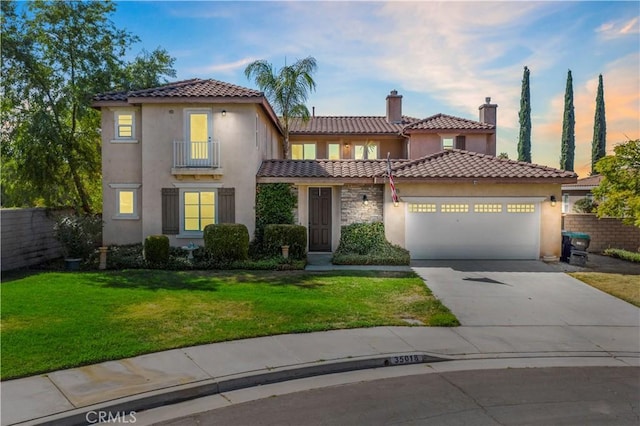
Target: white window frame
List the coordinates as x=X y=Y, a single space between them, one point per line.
x=304 y=145
x=126 y=187
x=363 y=145
x=565 y=203
x=448 y=147
x=194 y=187
x=128 y=139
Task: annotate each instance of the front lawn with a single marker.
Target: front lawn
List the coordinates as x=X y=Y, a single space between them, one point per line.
x=622 y=286
x=57 y=320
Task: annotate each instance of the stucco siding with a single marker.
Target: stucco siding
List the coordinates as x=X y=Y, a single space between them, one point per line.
x=121 y=164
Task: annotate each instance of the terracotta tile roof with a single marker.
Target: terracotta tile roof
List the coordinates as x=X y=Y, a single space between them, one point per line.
x=322 y=168
x=448 y=122
x=589 y=182
x=445 y=165
x=194 y=88
x=348 y=125
x=457 y=163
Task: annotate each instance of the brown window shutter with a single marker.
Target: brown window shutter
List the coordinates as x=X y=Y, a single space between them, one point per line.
x=226 y=205
x=461 y=142
x=170 y=211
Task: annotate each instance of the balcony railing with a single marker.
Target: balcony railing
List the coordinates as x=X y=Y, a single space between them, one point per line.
x=196 y=154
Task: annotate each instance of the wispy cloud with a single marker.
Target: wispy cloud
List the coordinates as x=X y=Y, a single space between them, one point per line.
x=223 y=68
x=620 y=28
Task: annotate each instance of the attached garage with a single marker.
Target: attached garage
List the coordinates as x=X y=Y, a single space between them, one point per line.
x=473 y=228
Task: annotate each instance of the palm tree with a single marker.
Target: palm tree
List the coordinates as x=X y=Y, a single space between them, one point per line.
x=286 y=91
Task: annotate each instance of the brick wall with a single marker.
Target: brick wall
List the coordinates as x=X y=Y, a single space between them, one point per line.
x=605 y=233
x=353 y=210
x=27 y=238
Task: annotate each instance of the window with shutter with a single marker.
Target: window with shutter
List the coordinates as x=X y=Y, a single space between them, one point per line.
x=226 y=205
x=461 y=142
x=170 y=211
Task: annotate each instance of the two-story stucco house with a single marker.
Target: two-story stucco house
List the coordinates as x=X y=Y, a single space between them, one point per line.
x=186 y=154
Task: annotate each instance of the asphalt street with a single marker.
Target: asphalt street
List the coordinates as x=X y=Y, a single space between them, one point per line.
x=523 y=396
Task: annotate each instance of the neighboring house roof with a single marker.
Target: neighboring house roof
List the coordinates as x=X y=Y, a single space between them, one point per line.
x=194 y=88
x=584 y=184
x=348 y=125
x=449 y=165
x=448 y=122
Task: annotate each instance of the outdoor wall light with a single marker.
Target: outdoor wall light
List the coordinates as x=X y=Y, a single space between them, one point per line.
x=365 y=200
x=396 y=204
x=553 y=200
x=224 y=112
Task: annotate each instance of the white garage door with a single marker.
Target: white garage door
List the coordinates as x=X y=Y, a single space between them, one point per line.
x=473 y=228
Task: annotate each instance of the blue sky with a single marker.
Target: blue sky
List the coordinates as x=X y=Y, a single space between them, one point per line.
x=443 y=57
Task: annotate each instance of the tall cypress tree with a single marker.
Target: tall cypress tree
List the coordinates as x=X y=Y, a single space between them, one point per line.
x=568 y=128
x=524 y=140
x=599 y=143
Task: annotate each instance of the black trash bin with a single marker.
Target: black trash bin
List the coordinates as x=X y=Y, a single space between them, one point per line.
x=574 y=247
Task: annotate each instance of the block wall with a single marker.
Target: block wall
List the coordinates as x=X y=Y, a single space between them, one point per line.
x=605 y=233
x=27 y=238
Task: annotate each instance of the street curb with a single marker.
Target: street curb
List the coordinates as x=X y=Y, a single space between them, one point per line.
x=122 y=407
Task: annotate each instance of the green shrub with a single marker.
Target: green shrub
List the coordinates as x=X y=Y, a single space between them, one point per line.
x=227 y=242
x=294 y=236
x=585 y=205
x=126 y=257
x=365 y=244
x=78 y=235
x=631 y=256
x=156 y=249
x=274 y=205
x=361 y=238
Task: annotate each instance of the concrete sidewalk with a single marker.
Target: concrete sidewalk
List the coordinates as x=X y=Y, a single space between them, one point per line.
x=147 y=381
x=523 y=311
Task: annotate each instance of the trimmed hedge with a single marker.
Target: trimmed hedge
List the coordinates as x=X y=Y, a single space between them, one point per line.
x=627 y=255
x=156 y=249
x=294 y=236
x=365 y=244
x=227 y=242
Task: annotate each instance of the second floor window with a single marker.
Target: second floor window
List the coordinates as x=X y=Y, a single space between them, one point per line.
x=124 y=125
x=303 y=151
x=365 y=151
x=447 y=143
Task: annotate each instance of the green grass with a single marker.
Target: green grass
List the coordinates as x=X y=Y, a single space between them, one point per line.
x=625 y=287
x=59 y=320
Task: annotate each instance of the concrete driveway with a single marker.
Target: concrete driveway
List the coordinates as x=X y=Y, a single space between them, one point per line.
x=521 y=293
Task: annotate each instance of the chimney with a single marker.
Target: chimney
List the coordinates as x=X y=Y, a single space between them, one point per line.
x=488 y=115
x=488 y=112
x=394 y=107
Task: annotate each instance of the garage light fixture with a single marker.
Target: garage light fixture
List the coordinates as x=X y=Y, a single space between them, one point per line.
x=553 y=200
x=365 y=200
x=224 y=112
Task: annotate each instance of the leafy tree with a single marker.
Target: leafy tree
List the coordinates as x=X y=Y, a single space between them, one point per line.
x=568 y=128
x=599 y=143
x=619 y=191
x=287 y=90
x=55 y=57
x=524 y=140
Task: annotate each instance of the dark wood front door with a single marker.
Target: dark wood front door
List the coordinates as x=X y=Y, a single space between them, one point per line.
x=319 y=219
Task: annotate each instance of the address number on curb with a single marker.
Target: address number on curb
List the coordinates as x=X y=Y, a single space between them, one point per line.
x=406 y=359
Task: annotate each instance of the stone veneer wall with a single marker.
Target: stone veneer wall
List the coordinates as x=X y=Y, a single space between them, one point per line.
x=605 y=233
x=27 y=238
x=352 y=208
